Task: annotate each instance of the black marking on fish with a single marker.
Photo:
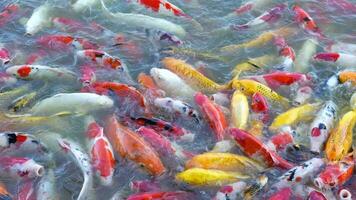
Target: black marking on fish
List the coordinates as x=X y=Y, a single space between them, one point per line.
x=254 y=65
x=11 y=138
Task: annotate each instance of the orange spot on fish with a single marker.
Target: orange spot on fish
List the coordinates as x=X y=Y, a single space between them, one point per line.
x=24 y=71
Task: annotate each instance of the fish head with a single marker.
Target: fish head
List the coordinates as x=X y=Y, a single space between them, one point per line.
x=22 y=71
x=163 y=77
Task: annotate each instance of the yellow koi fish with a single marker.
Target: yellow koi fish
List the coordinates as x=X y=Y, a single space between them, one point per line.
x=340 y=139
x=295 y=115
x=194 y=78
x=250 y=87
x=261 y=40
x=239 y=110
x=208 y=177
x=254 y=64
x=224 y=161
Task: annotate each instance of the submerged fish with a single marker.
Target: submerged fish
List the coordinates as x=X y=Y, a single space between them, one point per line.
x=239 y=110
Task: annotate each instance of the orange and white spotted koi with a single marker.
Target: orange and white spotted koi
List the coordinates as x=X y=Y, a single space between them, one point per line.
x=286 y=52
x=101 y=58
x=101 y=152
x=12 y=142
x=306 y=22
x=163 y=6
x=341 y=59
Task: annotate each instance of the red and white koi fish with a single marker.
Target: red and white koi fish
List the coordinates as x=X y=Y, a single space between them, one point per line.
x=276 y=79
x=268 y=17
x=286 y=52
x=65 y=42
x=4 y=194
x=144 y=186
x=231 y=191
x=255 y=148
x=163 y=6
x=344 y=194
x=176 y=195
x=321 y=126
x=302 y=96
x=161 y=144
x=83 y=161
x=6 y=79
x=101 y=58
x=305 y=21
x=341 y=59
x=4 y=56
x=88 y=76
x=21 y=167
x=213 y=115
x=144 y=21
x=41 y=72
x=176 y=106
x=46 y=189
x=26 y=190
x=335 y=174
x=282 y=194
x=101 y=152
x=40 y=18
x=252 y=5
x=165 y=128
x=280 y=141
x=8 y=14
x=20 y=142
x=303 y=173
x=259 y=105
x=129 y=144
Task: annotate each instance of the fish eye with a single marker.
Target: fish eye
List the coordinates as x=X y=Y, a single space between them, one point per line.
x=332 y=184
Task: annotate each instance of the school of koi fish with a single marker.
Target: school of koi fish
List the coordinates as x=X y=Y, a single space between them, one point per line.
x=177 y=100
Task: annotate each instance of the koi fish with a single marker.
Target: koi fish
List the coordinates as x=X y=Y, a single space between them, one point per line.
x=254 y=148
x=302 y=96
x=282 y=194
x=276 y=79
x=295 y=115
x=83 y=161
x=252 y=190
x=176 y=195
x=280 y=141
x=342 y=77
x=41 y=72
x=268 y=17
x=302 y=173
x=144 y=186
x=239 y=110
x=194 y=78
x=40 y=19
x=286 y=52
x=261 y=40
x=161 y=144
x=4 y=194
x=176 y=106
x=304 y=55
x=230 y=191
x=101 y=58
x=163 y=6
x=321 y=126
x=259 y=103
x=21 y=167
x=88 y=76
x=71 y=102
x=26 y=190
x=252 y=5
x=46 y=188
x=8 y=14
x=305 y=21
x=64 y=42
x=101 y=152
x=254 y=64
x=224 y=162
x=130 y=145
x=19 y=142
x=144 y=21
x=250 y=87
x=213 y=114
x=168 y=81
x=197 y=176
x=194 y=54
x=335 y=174
x=340 y=139
x=165 y=128
x=341 y=59
x=4 y=56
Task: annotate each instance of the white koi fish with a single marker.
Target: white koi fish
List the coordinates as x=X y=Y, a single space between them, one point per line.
x=40 y=18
